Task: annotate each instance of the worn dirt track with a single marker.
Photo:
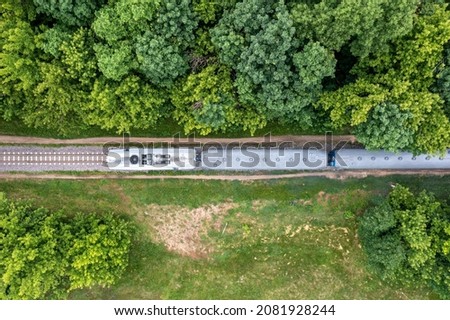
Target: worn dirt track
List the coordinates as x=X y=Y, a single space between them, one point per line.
x=339 y=175
x=298 y=140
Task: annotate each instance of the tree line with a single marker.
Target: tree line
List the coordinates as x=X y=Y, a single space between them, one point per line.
x=407 y=239
x=46 y=255
x=379 y=69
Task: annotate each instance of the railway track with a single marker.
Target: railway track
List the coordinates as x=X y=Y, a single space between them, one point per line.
x=51 y=159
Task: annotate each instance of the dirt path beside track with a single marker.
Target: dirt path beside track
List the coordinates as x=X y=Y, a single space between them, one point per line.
x=339 y=175
x=297 y=140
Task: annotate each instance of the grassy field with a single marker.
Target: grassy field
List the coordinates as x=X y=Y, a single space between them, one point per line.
x=165 y=128
x=281 y=239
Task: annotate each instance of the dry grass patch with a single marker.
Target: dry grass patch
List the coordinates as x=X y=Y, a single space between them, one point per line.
x=337 y=238
x=324 y=198
x=260 y=204
x=183 y=230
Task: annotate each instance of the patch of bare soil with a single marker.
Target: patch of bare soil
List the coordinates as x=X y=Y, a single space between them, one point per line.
x=183 y=230
x=324 y=198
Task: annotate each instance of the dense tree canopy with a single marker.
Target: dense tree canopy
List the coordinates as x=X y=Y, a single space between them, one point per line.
x=46 y=254
x=18 y=70
x=368 y=26
x=404 y=76
x=217 y=66
x=146 y=36
x=206 y=103
x=124 y=105
x=407 y=239
x=257 y=39
x=70 y=12
x=386 y=128
x=442 y=85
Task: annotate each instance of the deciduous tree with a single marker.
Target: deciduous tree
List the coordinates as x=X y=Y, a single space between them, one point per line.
x=206 y=103
x=69 y=12
x=32 y=261
x=67 y=71
x=116 y=61
x=406 y=239
x=19 y=72
x=368 y=25
x=386 y=128
x=99 y=250
x=147 y=36
x=442 y=85
x=158 y=60
x=257 y=40
x=123 y=105
x=404 y=77
x=46 y=254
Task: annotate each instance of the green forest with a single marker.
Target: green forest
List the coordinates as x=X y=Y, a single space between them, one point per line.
x=379 y=69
